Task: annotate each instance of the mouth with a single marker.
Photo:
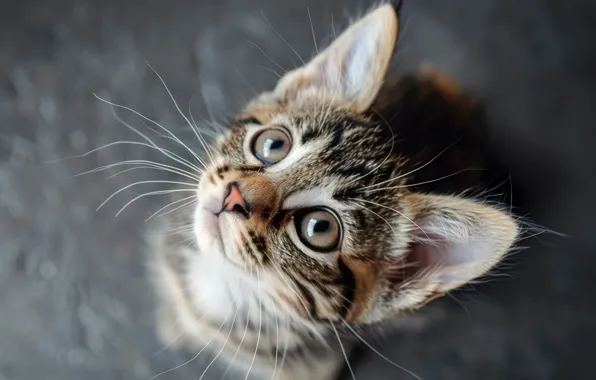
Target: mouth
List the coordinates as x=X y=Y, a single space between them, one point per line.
x=210 y=228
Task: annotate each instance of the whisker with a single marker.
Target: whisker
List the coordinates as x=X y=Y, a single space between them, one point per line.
x=385 y=159
x=397 y=212
x=181 y=114
x=194 y=357
x=312 y=29
x=168 y=344
x=140 y=183
x=283 y=39
x=148 y=167
x=378 y=353
x=199 y=134
x=148 y=164
x=424 y=182
x=260 y=327
x=278 y=75
x=333 y=27
x=241 y=340
x=151 y=121
x=192 y=197
x=374 y=213
x=160 y=192
x=243 y=79
x=285 y=353
x=268 y=57
x=226 y=341
x=343 y=351
x=416 y=169
x=141 y=134
x=276 y=346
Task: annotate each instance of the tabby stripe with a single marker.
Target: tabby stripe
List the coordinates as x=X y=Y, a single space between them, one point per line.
x=310 y=299
x=349 y=292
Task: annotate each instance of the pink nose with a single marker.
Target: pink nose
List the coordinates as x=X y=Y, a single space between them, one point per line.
x=234 y=201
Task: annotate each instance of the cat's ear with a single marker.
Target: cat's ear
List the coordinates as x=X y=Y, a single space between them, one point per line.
x=353 y=67
x=453 y=241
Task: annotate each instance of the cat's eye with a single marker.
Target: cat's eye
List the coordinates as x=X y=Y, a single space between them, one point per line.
x=271 y=145
x=319 y=229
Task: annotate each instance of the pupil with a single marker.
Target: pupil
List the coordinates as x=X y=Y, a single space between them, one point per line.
x=321 y=226
x=276 y=144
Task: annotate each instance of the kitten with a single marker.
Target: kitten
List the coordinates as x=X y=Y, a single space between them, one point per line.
x=310 y=218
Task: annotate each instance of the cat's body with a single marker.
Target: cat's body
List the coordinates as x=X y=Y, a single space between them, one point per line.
x=311 y=215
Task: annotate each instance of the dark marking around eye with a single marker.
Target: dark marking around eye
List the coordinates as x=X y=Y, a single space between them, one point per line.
x=249 y=120
x=266 y=212
x=278 y=218
x=349 y=287
x=345 y=194
x=310 y=134
x=252 y=168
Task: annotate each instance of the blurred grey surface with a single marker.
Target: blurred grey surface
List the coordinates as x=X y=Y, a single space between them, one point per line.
x=74 y=298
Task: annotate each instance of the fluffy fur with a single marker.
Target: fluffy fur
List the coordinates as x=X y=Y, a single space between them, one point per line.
x=250 y=289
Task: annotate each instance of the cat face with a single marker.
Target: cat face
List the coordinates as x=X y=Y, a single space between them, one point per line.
x=306 y=197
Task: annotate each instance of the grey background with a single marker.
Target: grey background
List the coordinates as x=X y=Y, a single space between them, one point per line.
x=74 y=300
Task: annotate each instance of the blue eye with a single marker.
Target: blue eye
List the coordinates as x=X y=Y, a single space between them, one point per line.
x=271 y=146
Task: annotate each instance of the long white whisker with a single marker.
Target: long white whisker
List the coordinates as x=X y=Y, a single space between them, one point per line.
x=148 y=167
x=413 y=170
x=243 y=79
x=168 y=344
x=227 y=338
x=278 y=75
x=268 y=57
x=397 y=212
x=312 y=29
x=154 y=123
x=423 y=182
x=374 y=213
x=145 y=137
x=199 y=134
x=140 y=183
x=161 y=150
x=384 y=160
x=378 y=353
x=194 y=357
x=150 y=194
x=333 y=27
x=260 y=326
x=241 y=340
x=343 y=351
x=283 y=39
x=276 y=346
x=180 y=112
x=285 y=353
x=192 y=200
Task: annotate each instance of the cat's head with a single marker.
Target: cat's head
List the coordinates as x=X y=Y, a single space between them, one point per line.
x=307 y=196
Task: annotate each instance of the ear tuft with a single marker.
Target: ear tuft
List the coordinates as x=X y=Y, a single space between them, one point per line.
x=353 y=67
x=453 y=241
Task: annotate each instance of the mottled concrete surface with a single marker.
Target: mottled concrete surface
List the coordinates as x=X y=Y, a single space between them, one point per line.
x=74 y=300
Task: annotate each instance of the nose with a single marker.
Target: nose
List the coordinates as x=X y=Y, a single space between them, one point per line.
x=234 y=201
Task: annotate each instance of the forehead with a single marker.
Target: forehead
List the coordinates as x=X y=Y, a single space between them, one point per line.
x=330 y=146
